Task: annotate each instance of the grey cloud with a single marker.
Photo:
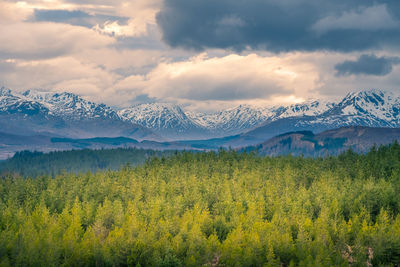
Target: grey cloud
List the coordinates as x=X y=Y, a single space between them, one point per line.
x=76 y=17
x=281 y=25
x=378 y=16
x=367 y=65
x=229 y=92
x=143 y=99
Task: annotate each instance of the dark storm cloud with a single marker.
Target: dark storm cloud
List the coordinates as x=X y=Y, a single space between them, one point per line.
x=281 y=25
x=367 y=65
x=77 y=17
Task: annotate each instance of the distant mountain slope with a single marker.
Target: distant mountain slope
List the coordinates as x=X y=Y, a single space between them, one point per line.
x=10 y=144
x=166 y=119
x=331 y=142
x=171 y=121
x=71 y=106
x=232 y=121
x=65 y=114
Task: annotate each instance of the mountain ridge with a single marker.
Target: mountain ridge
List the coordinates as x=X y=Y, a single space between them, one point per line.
x=69 y=115
x=366 y=108
x=63 y=114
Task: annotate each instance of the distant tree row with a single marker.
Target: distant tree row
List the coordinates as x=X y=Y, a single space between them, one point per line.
x=209 y=209
x=33 y=164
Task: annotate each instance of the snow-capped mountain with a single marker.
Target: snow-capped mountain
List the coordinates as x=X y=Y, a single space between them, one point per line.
x=12 y=103
x=372 y=108
x=71 y=106
x=171 y=121
x=233 y=121
x=62 y=114
x=308 y=108
x=249 y=125
x=167 y=119
x=66 y=114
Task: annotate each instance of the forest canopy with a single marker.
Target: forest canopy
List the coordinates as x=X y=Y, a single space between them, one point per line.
x=209 y=209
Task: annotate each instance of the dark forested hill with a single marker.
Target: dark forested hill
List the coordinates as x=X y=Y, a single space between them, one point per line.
x=331 y=142
x=37 y=163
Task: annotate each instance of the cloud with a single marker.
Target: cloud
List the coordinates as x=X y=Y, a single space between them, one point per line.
x=372 y=18
x=12 y=12
x=229 y=78
x=85 y=79
x=331 y=84
x=144 y=98
x=105 y=24
x=75 y=17
x=281 y=25
x=114 y=28
x=117 y=18
x=367 y=65
x=141 y=15
x=47 y=40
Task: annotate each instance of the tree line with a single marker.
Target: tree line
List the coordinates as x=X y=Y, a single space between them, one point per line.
x=27 y=163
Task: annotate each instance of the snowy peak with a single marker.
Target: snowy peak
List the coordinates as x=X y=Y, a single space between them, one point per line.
x=159 y=116
x=375 y=104
x=5 y=91
x=233 y=120
x=63 y=114
x=17 y=104
x=371 y=98
x=308 y=108
x=71 y=105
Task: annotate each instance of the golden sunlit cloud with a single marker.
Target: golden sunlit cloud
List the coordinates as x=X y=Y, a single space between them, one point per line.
x=249 y=78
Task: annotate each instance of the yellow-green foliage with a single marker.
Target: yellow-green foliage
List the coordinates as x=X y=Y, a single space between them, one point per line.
x=209 y=209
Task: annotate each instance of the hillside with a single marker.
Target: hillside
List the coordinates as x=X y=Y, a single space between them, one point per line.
x=331 y=142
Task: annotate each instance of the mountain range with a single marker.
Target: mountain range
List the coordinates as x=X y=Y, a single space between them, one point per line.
x=373 y=108
x=34 y=114
x=62 y=114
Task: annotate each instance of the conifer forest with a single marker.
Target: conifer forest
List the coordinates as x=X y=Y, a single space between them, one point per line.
x=209 y=209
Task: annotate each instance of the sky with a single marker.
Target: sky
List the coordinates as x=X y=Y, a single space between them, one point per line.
x=204 y=55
